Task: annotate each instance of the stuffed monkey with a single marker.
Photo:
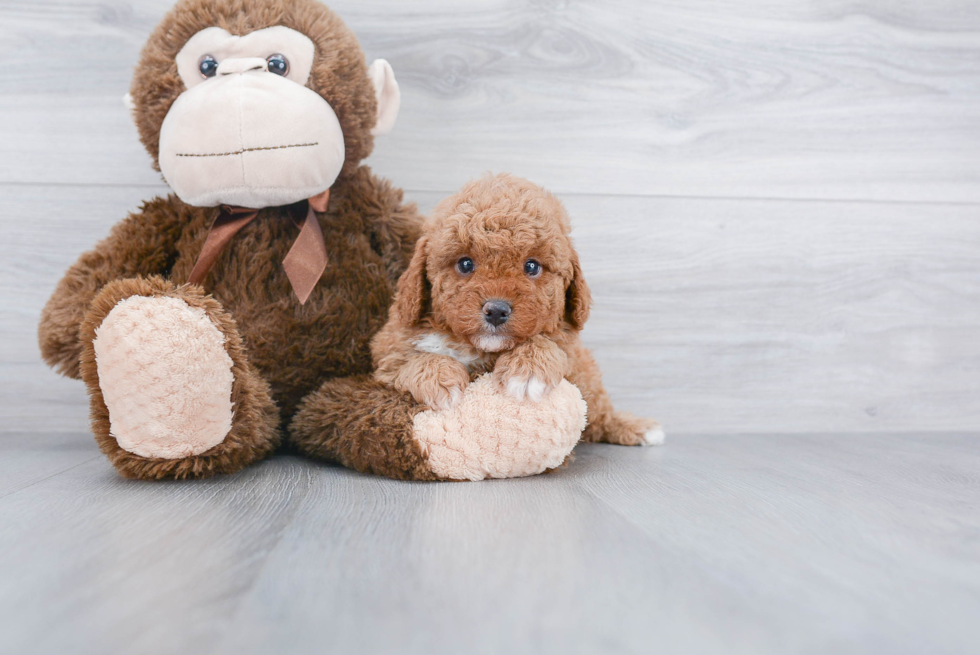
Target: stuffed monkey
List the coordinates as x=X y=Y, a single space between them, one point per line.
x=203 y=319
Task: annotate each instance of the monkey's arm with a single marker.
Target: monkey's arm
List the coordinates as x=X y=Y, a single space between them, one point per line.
x=143 y=244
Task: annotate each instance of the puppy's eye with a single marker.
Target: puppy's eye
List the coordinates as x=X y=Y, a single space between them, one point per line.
x=208 y=66
x=533 y=268
x=278 y=64
x=465 y=265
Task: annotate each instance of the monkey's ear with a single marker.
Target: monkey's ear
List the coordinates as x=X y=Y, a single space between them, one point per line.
x=387 y=93
x=412 y=293
x=578 y=298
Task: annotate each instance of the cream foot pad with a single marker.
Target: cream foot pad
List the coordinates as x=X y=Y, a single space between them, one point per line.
x=165 y=377
x=489 y=434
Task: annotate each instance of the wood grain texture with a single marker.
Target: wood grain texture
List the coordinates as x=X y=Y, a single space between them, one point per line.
x=713 y=316
x=731 y=316
x=740 y=544
x=717 y=158
x=847 y=100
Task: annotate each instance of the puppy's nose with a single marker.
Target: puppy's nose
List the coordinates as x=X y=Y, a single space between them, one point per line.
x=496 y=312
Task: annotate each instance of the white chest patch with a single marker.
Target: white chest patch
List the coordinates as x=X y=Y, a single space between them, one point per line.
x=492 y=343
x=438 y=344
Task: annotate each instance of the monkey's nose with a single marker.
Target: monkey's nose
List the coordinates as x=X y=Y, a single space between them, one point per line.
x=234 y=65
x=496 y=312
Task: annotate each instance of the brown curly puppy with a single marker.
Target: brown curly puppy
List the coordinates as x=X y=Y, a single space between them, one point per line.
x=495 y=285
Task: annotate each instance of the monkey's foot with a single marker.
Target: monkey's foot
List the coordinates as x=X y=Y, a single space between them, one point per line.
x=172 y=393
x=165 y=377
x=490 y=434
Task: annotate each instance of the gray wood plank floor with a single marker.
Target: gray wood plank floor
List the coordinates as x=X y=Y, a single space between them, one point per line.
x=748 y=544
x=777 y=206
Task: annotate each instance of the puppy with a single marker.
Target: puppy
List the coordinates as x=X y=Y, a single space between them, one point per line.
x=495 y=286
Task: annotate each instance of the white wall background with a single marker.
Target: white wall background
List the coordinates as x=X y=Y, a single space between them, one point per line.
x=777 y=203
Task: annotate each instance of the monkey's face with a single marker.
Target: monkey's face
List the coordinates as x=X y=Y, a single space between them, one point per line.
x=247 y=130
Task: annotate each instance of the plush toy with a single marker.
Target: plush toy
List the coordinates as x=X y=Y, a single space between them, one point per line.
x=206 y=317
x=480 y=372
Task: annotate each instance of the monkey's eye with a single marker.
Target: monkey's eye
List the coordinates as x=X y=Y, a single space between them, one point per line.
x=278 y=64
x=465 y=265
x=208 y=66
x=533 y=268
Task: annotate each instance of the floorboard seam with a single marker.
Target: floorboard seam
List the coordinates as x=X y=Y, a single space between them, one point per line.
x=53 y=475
x=575 y=194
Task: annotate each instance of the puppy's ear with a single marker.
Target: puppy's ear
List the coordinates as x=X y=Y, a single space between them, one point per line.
x=578 y=298
x=412 y=294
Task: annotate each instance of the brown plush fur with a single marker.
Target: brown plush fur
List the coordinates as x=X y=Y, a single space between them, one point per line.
x=369 y=233
x=364 y=425
x=499 y=222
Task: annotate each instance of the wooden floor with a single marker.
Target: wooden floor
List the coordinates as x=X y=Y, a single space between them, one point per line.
x=748 y=544
x=777 y=206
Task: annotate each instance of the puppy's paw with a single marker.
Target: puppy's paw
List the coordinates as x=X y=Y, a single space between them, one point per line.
x=626 y=430
x=440 y=398
x=533 y=388
x=439 y=384
x=531 y=370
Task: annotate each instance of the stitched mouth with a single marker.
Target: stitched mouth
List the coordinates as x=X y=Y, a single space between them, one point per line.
x=244 y=150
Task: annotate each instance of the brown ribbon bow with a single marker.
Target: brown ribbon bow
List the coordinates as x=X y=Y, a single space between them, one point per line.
x=305 y=261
